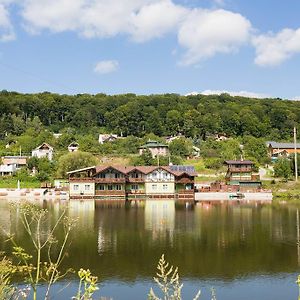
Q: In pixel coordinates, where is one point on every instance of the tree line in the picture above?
(196, 117)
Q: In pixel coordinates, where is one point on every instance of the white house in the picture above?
(44, 150)
(104, 138)
(73, 147)
(6, 170)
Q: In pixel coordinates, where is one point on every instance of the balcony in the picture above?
(109, 193)
(110, 180)
(83, 179)
(184, 181)
(136, 180)
(240, 169)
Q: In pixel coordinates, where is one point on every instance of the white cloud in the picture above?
(232, 93)
(6, 29)
(140, 19)
(207, 32)
(156, 19)
(106, 66)
(273, 49)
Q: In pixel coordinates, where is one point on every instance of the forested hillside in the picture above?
(129, 114)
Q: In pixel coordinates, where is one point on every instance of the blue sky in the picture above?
(250, 47)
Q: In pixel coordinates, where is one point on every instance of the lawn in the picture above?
(13, 183)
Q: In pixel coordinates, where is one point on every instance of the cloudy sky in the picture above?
(248, 47)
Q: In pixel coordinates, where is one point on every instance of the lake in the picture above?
(244, 252)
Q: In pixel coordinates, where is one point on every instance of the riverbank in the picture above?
(32, 194)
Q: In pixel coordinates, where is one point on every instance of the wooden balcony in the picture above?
(240, 169)
(110, 180)
(184, 181)
(186, 192)
(136, 180)
(110, 193)
(83, 179)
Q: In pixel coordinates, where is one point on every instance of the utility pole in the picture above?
(295, 149)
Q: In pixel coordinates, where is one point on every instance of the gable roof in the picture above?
(153, 144)
(239, 162)
(276, 145)
(44, 146)
(73, 144)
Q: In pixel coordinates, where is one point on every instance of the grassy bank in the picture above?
(288, 191)
(13, 183)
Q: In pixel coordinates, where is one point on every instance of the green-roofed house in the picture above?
(155, 148)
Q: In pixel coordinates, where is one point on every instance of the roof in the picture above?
(143, 169)
(44, 145)
(74, 144)
(239, 162)
(153, 144)
(283, 145)
(80, 170)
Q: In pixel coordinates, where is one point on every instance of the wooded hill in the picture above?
(129, 114)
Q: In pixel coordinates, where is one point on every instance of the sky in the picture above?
(243, 47)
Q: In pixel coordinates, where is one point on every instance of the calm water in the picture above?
(244, 252)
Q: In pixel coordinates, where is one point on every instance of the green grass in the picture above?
(13, 183)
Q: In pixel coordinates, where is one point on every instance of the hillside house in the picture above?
(17, 161)
(155, 148)
(44, 150)
(277, 150)
(106, 138)
(7, 170)
(73, 147)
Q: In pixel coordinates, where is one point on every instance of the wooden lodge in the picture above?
(240, 176)
(126, 183)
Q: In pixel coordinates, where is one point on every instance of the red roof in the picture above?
(239, 162)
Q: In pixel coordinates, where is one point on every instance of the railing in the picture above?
(184, 180)
(78, 179)
(186, 191)
(109, 193)
(138, 180)
(110, 180)
(242, 169)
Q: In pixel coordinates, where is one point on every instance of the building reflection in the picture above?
(160, 218)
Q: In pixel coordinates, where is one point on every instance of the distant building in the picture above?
(44, 150)
(17, 161)
(170, 139)
(240, 174)
(105, 138)
(120, 182)
(57, 135)
(277, 150)
(7, 170)
(73, 147)
(155, 148)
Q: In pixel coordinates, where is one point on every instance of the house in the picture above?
(126, 183)
(105, 138)
(44, 150)
(276, 149)
(155, 148)
(170, 139)
(240, 175)
(18, 161)
(7, 170)
(73, 147)
(57, 135)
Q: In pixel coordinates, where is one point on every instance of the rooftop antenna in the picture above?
(295, 149)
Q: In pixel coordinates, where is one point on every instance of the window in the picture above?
(165, 187)
(154, 175)
(76, 187)
(101, 187)
(110, 187)
(87, 187)
(102, 175)
(118, 187)
(134, 175)
(117, 175)
(154, 187)
(134, 187)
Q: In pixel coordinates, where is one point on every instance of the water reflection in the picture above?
(208, 242)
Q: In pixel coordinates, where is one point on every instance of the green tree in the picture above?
(282, 168)
(73, 161)
(181, 147)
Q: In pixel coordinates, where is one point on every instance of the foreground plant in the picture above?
(168, 282)
(87, 285)
(33, 269)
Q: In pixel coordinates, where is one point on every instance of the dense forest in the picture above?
(193, 116)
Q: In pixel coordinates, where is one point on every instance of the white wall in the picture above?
(160, 187)
(82, 188)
